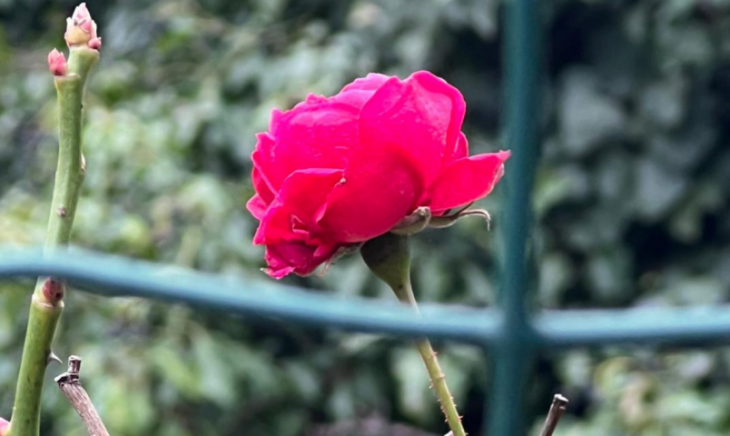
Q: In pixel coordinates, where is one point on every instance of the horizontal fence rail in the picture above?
(115, 276)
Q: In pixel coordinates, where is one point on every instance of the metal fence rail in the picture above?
(509, 334)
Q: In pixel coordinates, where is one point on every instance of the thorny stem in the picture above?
(438, 379)
(389, 259)
(47, 303)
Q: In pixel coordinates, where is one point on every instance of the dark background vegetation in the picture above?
(631, 207)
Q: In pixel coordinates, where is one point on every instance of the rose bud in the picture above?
(95, 43)
(81, 28)
(57, 63)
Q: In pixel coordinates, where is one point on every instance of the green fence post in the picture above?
(514, 350)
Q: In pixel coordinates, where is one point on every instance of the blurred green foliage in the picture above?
(631, 207)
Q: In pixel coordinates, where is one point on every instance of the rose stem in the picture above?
(438, 379)
(47, 302)
(388, 257)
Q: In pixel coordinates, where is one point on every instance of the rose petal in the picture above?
(296, 257)
(276, 116)
(359, 92)
(292, 215)
(423, 114)
(257, 206)
(378, 191)
(355, 98)
(260, 184)
(460, 150)
(371, 82)
(466, 180)
(438, 85)
(316, 134)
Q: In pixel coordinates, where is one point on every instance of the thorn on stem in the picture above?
(52, 357)
(62, 212)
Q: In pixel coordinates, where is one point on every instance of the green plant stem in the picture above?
(45, 309)
(41, 328)
(69, 173)
(438, 379)
(388, 257)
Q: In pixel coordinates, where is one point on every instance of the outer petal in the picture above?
(359, 92)
(257, 206)
(259, 203)
(423, 114)
(261, 184)
(371, 82)
(296, 257)
(315, 134)
(466, 180)
(380, 188)
(292, 215)
(459, 151)
(458, 105)
(355, 98)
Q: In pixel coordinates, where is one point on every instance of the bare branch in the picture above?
(71, 387)
(553, 417)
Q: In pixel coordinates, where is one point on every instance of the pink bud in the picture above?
(81, 13)
(53, 290)
(57, 63)
(95, 43)
(86, 26)
(80, 28)
(4, 427)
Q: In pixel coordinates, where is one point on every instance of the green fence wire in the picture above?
(510, 334)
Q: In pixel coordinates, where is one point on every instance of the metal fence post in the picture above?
(515, 348)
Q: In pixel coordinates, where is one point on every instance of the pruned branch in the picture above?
(553, 417)
(70, 385)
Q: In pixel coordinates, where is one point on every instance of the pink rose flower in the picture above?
(334, 172)
(4, 427)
